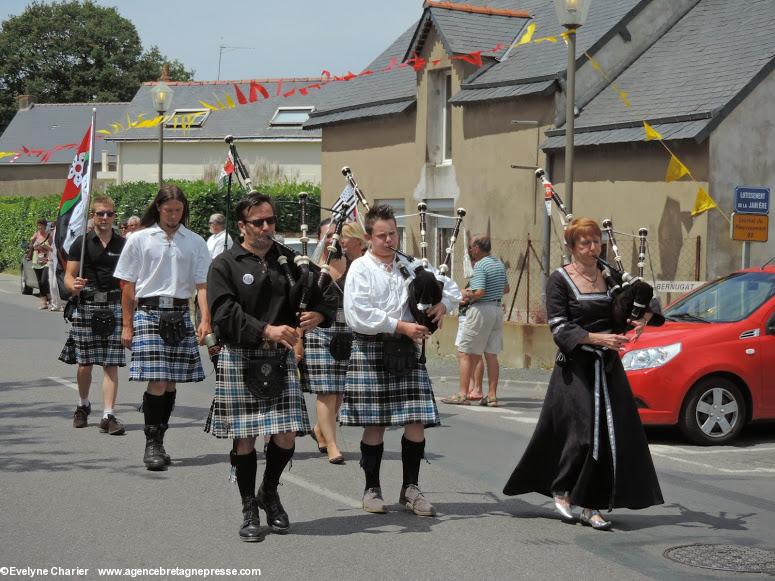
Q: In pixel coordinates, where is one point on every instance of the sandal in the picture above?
(488, 401)
(321, 449)
(457, 399)
(473, 397)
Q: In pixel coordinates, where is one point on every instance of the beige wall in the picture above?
(38, 180)
(188, 161)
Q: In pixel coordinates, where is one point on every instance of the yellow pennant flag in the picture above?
(208, 106)
(528, 36)
(103, 131)
(624, 96)
(651, 133)
(6, 154)
(675, 170)
(703, 203)
(546, 39)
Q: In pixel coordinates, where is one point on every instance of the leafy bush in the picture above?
(19, 214)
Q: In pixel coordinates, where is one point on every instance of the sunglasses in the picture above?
(104, 213)
(259, 222)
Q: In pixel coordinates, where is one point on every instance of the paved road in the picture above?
(77, 498)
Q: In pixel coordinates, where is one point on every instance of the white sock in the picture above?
(108, 411)
(83, 402)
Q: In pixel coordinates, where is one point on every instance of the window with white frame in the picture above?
(187, 118)
(291, 116)
(399, 209)
(439, 116)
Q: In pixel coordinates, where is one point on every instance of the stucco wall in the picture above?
(38, 180)
(741, 154)
(189, 161)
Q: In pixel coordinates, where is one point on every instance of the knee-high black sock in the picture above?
(371, 459)
(411, 456)
(245, 465)
(169, 405)
(153, 409)
(277, 459)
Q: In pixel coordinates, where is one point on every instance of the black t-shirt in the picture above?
(99, 262)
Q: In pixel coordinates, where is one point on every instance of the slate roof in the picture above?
(248, 121)
(503, 92)
(44, 126)
(688, 80)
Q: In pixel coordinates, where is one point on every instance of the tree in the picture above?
(75, 52)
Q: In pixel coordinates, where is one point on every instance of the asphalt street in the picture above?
(80, 499)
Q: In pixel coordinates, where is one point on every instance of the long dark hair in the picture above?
(166, 193)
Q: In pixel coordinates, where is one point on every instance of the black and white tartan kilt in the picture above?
(235, 413)
(154, 360)
(84, 347)
(323, 373)
(373, 397)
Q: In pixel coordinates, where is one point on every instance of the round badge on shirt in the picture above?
(247, 278)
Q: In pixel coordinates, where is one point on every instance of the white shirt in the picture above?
(376, 296)
(163, 267)
(215, 243)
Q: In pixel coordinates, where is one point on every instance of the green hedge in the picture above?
(19, 214)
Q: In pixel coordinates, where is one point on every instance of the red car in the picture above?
(711, 368)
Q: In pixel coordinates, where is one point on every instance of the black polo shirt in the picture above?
(99, 262)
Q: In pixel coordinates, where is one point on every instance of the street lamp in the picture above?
(162, 97)
(572, 14)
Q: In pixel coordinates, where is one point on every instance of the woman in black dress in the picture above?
(589, 448)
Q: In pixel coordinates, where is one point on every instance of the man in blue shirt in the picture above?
(483, 331)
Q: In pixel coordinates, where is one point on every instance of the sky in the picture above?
(287, 38)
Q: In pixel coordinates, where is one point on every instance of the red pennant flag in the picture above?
(256, 88)
(240, 95)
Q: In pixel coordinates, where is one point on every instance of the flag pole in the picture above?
(87, 189)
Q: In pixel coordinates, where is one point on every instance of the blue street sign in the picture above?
(752, 200)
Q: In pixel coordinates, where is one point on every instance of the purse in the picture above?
(103, 322)
(172, 328)
(265, 375)
(341, 346)
(399, 356)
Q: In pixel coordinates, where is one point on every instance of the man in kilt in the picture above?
(95, 337)
(161, 265)
(254, 291)
(386, 384)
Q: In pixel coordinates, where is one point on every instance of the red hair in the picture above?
(581, 227)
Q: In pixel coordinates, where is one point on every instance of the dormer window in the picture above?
(187, 118)
(291, 116)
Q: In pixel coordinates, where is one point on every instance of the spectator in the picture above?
(215, 243)
(132, 225)
(477, 377)
(56, 302)
(483, 329)
(40, 243)
(123, 228)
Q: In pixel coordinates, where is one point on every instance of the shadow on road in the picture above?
(753, 434)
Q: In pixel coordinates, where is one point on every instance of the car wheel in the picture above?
(714, 413)
(26, 290)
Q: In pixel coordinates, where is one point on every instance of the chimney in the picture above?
(25, 102)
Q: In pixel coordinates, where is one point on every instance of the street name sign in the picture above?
(752, 200)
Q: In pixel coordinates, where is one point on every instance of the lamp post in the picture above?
(162, 97)
(572, 14)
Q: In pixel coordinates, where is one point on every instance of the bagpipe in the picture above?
(632, 295)
(425, 289)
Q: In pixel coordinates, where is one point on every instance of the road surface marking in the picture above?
(64, 382)
(716, 468)
(485, 409)
(7, 292)
(298, 481)
(662, 448)
(522, 420)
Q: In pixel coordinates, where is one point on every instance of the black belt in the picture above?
(487, 301)
(159, 302)
(111, 296)
(378, 336)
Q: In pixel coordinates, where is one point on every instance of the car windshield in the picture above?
(728, 299)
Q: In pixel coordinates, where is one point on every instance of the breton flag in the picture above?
(226, 170)
(347, 197)
(74, 205)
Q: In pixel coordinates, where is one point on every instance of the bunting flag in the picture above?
(675, 170)
(528, 36)
(651, 133)
(74, 205)
(703, 203)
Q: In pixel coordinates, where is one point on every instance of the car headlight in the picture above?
(650, 357)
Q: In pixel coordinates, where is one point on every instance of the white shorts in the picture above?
(461, 321)
(483, 330)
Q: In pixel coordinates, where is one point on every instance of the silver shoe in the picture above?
(566, 512)
(587, 516)
(373, 501)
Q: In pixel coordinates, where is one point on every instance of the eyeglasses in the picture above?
(259, 222)
(103, 213)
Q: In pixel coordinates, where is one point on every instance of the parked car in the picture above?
(29, 281)
(711, 368)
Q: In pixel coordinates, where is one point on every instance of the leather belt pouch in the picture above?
(70, 307)
(399, 355)
(341, 346)
(172, 327)
(265, 376)
(103, 322)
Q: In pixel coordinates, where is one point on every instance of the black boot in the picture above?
(267, 497)
(251, 521)
(152, 458)
(169, 405)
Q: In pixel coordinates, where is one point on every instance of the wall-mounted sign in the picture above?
(750, 227)
(752, 200)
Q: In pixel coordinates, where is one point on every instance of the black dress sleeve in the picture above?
(567, 334)
(231, 323)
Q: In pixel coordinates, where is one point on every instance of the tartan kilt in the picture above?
(84, 347)
(323, 374)
(154, 360)
(235, 413)
(373, 397)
